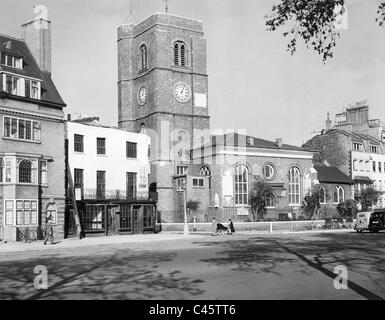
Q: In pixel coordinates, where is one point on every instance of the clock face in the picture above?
(182, 92)
(142, 96)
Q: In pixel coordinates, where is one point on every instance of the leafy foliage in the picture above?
(369, 197)
(311, 203)
(259, 194)
(192, 205)
(312, 20)
(347, 209)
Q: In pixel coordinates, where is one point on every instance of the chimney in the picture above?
(37, 35)
(328, 123)
(68, 117)
(278, 142)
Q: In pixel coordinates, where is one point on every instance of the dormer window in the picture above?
(11, 61)
(19, 86)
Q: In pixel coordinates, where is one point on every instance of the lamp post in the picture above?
(186, 231)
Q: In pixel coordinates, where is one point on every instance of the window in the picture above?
(374, 166)
(270, 202)
(142, 128)
(181, 170)
(1, 169)
(9, 170)
(143, 54)
(198, 182)
(78, 178)
(379, 167)
(205, 171)
(357, 146)
(322, 195)
(241, 185)
(21, 129)
(78, 143)
(52, 211)
(294, 186)
(373, 148)
(13, 85)
(9, 212)
(131, 185)
(131, 150)
(100, 145)
(32, 89)
(11, 61)
(355, 165)
(268, 171)
(100, 184)
(339, 194)
(43, 168)
(26, 212)
(180, 57)
(25, 171)
(180, 184)
(93, 218)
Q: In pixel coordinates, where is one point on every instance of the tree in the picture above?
(369, 197)
(259, 194)
(192, 205)
(311, 203)
(347, 209)
(314, 21)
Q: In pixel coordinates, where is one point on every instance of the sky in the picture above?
(254, 84)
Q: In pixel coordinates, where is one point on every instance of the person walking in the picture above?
(214, 227)
(230, 229)
(49, 230)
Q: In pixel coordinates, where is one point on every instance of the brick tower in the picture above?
(163, 88)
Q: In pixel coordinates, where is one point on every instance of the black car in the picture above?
(377, 221)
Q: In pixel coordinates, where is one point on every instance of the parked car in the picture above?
(377, 221)
(374, 221)
(363, 219)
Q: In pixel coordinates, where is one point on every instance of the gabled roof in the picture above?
(18, 47)
(239, 140)
(331, 175)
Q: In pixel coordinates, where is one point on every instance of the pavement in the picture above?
(175, 267)
(9, 247)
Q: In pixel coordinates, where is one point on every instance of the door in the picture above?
(137, 217)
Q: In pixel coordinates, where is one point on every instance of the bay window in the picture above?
(21, 212)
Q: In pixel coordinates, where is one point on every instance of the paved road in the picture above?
(295, 266)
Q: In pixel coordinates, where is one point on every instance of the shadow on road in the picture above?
(361, 253)
(119, 275)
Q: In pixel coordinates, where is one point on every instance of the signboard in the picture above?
(78, 194)
(200, 100)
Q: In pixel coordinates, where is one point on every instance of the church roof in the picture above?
(239, 140)
(17, 47)
(331, 175)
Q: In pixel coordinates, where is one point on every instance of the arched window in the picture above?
(205, 171)
(142, 128)
(25, 171)
(241, 185)
(268, 171)
(294, 186)
(270, 202)
(143, 53)
(52, 211)
(322, 195)
(339, 194)
(180, 58)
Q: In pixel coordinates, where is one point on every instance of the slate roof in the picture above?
(331, 175)
(238, 140)
(49, 93)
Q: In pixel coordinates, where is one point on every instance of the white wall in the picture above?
(114, 162)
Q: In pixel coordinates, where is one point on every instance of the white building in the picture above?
(371, 166)
(107, 162)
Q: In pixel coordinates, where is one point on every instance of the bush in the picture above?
(347, 209)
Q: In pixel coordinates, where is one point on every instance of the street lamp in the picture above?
(186, 231)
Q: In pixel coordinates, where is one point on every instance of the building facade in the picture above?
(109, 170)
(355, 146)
(163, 91)
(223, 172)
(32, 160)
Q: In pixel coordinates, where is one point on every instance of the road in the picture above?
(294, 266)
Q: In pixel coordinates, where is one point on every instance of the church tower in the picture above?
(163, 91)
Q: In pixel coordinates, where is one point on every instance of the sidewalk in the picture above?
(93, 241)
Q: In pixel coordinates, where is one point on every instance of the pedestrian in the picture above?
(214, 227)
(49, 230)
(230, 229)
